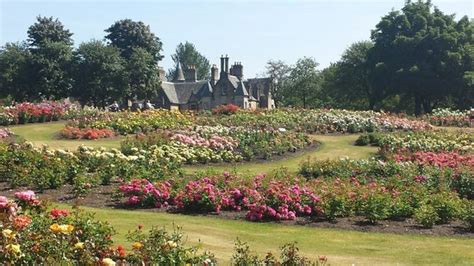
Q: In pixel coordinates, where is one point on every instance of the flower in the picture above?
(14, 248)
(56, 213)
(121, 251)
(108, 262)
(64, 228)
(7, 233)
(137, 245)
(171, 244)
(25, 195)
(79, 245)
(21, 222)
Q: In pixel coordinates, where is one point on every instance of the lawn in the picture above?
(331, 147)
(46, 133)
(341, 247)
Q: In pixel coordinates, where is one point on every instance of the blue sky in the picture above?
(251, 32)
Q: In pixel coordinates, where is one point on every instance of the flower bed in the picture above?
(316, 120)
(26, 112)
(85, 133)
(134, 122)
(25, 165)
(203, 144)
(448, 117)
(32, 235)
(397, 196)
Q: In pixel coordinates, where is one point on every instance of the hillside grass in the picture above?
(342, 247)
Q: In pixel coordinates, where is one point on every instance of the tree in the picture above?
(51, 70)
(48, 29)
(128, 35)
(347, 82)
(144, 80)
(187, 54)
(303, 87)
(15, 63)
(421, 52)
(51, 49)
(100, 76)
(278, 71)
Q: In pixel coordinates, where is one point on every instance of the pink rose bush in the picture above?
(274, 201)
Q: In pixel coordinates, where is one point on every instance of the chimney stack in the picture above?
(214, 75)
(238, 70)
(222, 64)
(191, 75)
(226, 58)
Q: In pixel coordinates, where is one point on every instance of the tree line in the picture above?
(417, 58)
(123, 66)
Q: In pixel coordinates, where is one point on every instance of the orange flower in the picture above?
(21, 222)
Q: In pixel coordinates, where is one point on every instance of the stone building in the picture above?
(228, 86)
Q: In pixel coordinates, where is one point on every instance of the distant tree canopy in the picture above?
(418, 58)
(187, 54)
(128, 35)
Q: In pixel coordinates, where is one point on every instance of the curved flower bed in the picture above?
(85, 133)
(203, 144)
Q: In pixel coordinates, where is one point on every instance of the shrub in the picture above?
(376, 207)
(426, 216)
(468, 215)
(446, 205)
(363, 140)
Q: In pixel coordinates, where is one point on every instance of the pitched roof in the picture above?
(180, 93)
(241, 90)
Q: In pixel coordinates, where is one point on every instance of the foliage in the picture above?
(303, 85)
(100, 76)
(128, 35)
(225, 109)
(187, 55)
(48, 30)
(448, 117)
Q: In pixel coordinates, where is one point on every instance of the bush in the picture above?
(426, 216)
(468, 215)
(363, 140)
(447, 206)
(376, 207)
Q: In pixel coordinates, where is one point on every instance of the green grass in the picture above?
(46, 133)
(332, 147)
(342, 247)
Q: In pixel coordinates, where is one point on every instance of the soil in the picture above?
(102, 197)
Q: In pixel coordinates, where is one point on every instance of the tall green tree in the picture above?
(304, 84)
(128, 35)
(51, 70)
(187, 54)
(52, 58)
(279, 72)
(421, 52)
(143, 77)
(15, 64)
(48, 29)
(100, 74)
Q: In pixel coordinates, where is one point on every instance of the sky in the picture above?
(251, 32)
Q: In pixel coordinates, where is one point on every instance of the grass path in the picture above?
(332, 147)
(46, 133)
(341, 247)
